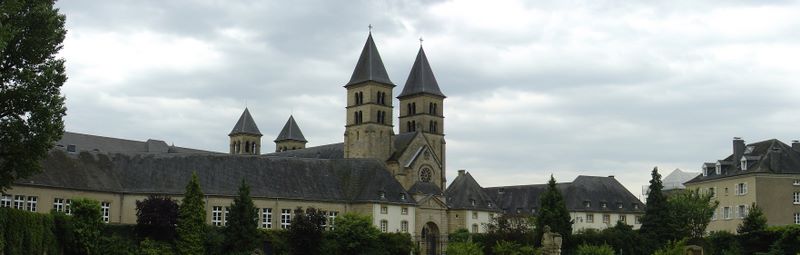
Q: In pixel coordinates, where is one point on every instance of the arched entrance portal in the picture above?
(430, 239)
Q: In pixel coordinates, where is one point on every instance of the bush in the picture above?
(721, 242)
(116, 245)
(156, 218)
(459, 236)
(24, 232)
(396, 243)
(465, 248)
(153, 247)
(277, 241)
(88, 223)
(587, 249)
(672, 248)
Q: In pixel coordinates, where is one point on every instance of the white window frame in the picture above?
(714, 215)
(32, 202)
(797, 218)
(266, 218)
(286, 218)
(384, 209)
(741, 211)
(606, 218)
(474, 215)
(225, 215)
(744, 164)
(5, 200)
(404, 210)
(332, 219)
(705, 170)
(726, 213)
(216, 216)
(590, 218)
(622, 218)
(19, 202)
(58, 204)
(105, 209)
(741, 188)
(68, 206)
(384, 226)
(404, 226)
(718, 168)
(637, 219)
(474, 228)
(796, 182)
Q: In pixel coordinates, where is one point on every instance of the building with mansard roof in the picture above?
(397, 178)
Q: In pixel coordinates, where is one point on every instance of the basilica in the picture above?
(397, 178)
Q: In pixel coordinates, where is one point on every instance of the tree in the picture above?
(656, 219)
(241, 232)
(355, 234)
(31, 105)
(553, 213)
(465, 248)
(754, 221)
(695, 210)
(156, 218)
(305, 233)
(87, 224)
(191, 220)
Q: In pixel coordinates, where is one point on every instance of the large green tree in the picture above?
(754, 221)
(553, 212)
(693, 212)
(354, 234)
(191, 220)
(305, 233)
(88, 224)
(156, 217)
(656, 225)
(31, 105)
(241, 232)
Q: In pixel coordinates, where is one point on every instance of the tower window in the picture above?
(432, 108)
(247, 146)
(413, 108)
(408, 126)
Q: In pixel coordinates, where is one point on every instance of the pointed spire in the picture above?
(291, 131)
(370, 66)
(245, 125)
(421, 80)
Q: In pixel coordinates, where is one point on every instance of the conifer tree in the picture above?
(553, 212)
(241, 233)
(191, 220)
(656, 219)
(754, 221)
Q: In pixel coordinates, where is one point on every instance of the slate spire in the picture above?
(245, 125)
(421, 79)
(370, 66)
(291, 131)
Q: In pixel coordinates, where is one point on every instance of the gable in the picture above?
(431, 202)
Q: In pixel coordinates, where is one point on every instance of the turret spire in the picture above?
(291, 131)
(370, 66)
(421, 79)
(245, 125)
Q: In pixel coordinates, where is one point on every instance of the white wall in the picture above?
(581, 222)
(394, 217)
(482, 221)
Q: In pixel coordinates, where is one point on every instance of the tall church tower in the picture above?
(368, 132)
(422, 105)
(290, 138)
(245, 137)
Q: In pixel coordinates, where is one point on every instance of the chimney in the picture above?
(796, 145)
(461, 172)
(738, 150)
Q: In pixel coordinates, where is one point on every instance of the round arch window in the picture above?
(425, 174)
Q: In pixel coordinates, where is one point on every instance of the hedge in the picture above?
(23, 232)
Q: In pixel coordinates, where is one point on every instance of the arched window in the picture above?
(408, 126)
(355, 98)
(431, 109)
(432, 127)
(247, 146)
(254, 147)
(355, 117)
(383, 98)
(409, 109)
(238, 146)
(413, 108)
(413, 125)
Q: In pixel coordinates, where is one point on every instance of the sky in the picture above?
(533, 88)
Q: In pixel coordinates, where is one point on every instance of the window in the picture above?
(404, 210)
(5, 201)
(286, 218)
(796, 198)
(606, 218)
(705, 171)
(31, 204)
(68, 207)
(105, 207)
(623, 219)
(474, 228)
(216, 215)
(718, 168)
(796, 218)
(384, 209)
(491, 216)
(425, 175)
(225, 216)
(58, 204)
(712, 192)
(382, 195)
(638, 219)
(741, 212)
(402, 196)
(726, 213)
(472, 202)
(404, 226)
(589, 218)
(266, 218)
(332, 219)
(741, 188)
(714, 215)
(796, 182)
(603, 204)
(635, 206)
(384, 226)
(587, 204)
(619, 205)
(19, 202)
(474, 215)
(744, 164)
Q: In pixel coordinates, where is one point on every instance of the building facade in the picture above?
(765, 173)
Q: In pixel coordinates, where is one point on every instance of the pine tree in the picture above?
(191, 220)
(754, 222)
(553, 212)
(241, 233)
(656, 219)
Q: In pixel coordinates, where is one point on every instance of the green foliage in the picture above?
(587, 249)
(553, 213)
(511, 248)
(753, 222)
(116, 245)
(672, 248)
(622, 238)
(24, 232)
(305, 233)
(88, 223)
(278, 240)
(152, 247)
(156, 217)
(214, 241)
(395, 243)
(191, 220)
(31, 105)
(508, 227)
(354, 234)
(722, 242)
(464, 248)
(695, 210)
(656, 224)
(241, 232)
(461, 235)
(789, 241)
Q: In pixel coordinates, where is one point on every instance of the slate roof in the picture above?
(593, 189)
(370, 66)
(769, 156)
(343, 180)
(245, 125)
(291, 131)
(425, 188)
(464, 190)
(420, 79)
(84, 142)
(401, 142)
(328, 151)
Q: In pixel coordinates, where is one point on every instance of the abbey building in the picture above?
(397, 178)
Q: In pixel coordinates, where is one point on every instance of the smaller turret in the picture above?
(290, 138)
(245, 137)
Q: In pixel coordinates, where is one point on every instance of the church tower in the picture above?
(245, 137)
(368, 132)
(290, 138)
(422, 105)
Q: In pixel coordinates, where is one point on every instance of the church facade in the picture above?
(396, 178)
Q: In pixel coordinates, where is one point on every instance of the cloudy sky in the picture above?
(534, 87)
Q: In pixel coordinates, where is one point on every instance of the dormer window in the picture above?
(796, 182)
(489, 204)
(382, 195)
(604, 204)
(718, 168)
(587, 204)
(472, 202)
(402, 196)
(636, 206)
(619, 205)
(705, 170)
(501, 191)
(744, 164)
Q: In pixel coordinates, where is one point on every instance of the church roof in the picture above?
(291, 131)
(343, 180)
(421, 79)
(425, 188)
(401, 142)
(76, 142)
(245, 125)
(464, 190)
(370, 66)
(328, 151)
